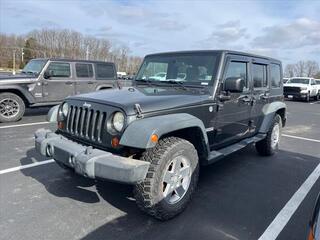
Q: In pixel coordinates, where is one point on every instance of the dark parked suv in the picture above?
(48, 81)
(155, 134)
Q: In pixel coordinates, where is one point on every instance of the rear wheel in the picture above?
(12, 107)
(171, 179)
(270, 144)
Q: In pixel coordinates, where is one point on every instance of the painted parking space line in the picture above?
(317, 102)
(25, 124)
(301, 138)
(283, 217)
(14, 169)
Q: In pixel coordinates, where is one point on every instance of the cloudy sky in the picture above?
(288, 30)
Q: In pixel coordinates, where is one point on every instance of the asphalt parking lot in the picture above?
(237, 198)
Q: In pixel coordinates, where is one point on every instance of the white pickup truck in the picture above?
(302, 88)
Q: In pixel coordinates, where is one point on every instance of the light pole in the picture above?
(87, 53)
(14, 62)
(22, 55)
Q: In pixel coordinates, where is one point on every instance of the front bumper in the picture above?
(89, 162)
(295, 95)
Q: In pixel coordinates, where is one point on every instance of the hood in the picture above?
(150, 98)
(295, 85)
(18, 78)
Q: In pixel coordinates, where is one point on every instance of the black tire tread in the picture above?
(142, 190)
(264, 146)
(22, 106)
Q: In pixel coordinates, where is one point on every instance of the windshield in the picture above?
(299, 80)
(191, 68)
(34, 66)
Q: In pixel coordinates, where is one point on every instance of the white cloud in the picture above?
(299, 33)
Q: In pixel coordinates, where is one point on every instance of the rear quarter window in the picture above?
(275, 75)
(105, 71)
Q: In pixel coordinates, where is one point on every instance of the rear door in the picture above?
(232, 122)
(60, 84)
(260, 92)
(84, 78)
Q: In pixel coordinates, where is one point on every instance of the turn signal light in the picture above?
(60, 125)
(115, 142)
(311, 237)
(154, 138)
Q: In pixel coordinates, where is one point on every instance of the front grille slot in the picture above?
(289, 90)
(86, 123)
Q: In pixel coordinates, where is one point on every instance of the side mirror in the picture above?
(234, 84)
(48, 74)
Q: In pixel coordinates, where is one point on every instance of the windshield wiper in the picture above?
(149, 82)
(30, 72)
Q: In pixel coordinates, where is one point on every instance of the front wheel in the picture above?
(12, 107)
(171, 179)
(269, 145)
(308, 97)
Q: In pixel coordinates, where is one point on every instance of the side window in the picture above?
(259, 75)
(59, 69)
(313, 82)
(275, 75)
(84, 70)
(237, 70)
(105, 71)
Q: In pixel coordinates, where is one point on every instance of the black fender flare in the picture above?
(138, 133)
(269, 111)
(22, 90)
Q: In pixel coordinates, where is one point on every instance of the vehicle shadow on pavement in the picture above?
(61, 183)
(37, 111)
(237, 198)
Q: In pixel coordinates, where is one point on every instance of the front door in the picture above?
(85, 80)
(60, 83)
(233, 120)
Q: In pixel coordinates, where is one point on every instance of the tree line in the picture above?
(302, 69)
(50, 43)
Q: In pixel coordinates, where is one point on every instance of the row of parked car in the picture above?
(302, 88)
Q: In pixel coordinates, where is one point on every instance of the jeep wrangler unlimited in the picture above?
(157, 133)
(45, 82)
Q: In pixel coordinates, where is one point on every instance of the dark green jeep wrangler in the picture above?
(185, 109)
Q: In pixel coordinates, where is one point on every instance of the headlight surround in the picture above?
(303, 88)
(65, 109)
(118, 120)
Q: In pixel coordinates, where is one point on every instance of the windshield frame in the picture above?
(42, 63)
(216, 56)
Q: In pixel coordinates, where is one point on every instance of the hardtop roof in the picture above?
(217, 52)
(72, 60)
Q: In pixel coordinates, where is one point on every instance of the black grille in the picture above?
(291, 90)
(86, 123)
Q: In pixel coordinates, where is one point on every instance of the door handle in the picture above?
(90, 82)
(69, 83)
(264, 96)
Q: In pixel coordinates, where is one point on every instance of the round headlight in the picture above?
(65, 109)
(118, 121)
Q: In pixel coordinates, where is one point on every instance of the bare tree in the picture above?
(64, 43)
(289, 70)
(300, 69)
(312, 68)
